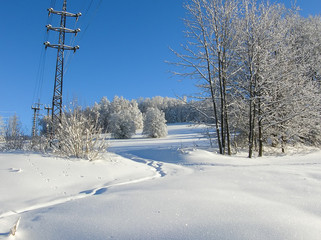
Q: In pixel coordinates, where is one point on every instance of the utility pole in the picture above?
(47, 121)
(36, 110)
(48, 111)
(61, 47)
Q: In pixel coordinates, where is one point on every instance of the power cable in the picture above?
(68, 58)
(91, 19)
(42, 61)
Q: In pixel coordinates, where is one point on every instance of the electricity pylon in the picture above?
(61, 47)
(35, 109)
(48, 111)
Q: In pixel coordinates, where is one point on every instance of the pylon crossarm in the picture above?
(68, 14)
(58, 46)
(59, 29)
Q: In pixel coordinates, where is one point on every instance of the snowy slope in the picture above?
(161, 189)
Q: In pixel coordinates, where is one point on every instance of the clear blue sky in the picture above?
(123, 48)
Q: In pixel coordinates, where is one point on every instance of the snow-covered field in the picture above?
(161, 189)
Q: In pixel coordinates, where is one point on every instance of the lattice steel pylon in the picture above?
(61, 47)
(36, 110)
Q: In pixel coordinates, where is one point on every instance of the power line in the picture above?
(42, 62)
(91, 19)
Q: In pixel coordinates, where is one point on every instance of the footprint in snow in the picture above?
(15, 170)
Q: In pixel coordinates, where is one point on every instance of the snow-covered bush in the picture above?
(155, 123)
(122, 125)
(38, 144)
(78, 136)
(119, 105)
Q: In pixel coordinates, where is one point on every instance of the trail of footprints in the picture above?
(46, 179)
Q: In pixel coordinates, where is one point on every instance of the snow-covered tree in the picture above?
(104, 113)
(274, 82)
(122, 106)
(209, 58)
(2, 130)
(13, 134)
(155, 123)
(122, 126)
(136, 114)
(258, 65)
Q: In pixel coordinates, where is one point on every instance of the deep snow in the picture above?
(161, 189)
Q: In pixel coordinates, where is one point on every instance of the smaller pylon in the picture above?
(48, 111)
(36, 110)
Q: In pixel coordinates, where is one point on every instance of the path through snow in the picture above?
(162, 189)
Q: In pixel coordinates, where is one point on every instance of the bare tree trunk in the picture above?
(251, 123)
(260, 128)
(221, 100)
(216, 124)
(227, 128)
(211, 83)
(228, 135)
(283, 143)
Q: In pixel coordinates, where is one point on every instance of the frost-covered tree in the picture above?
(258, 65)
(155, 123)
(122, 126)
(209, 58)
(260, 39)
(294, 100)
(104, 113)
(122, 106)
(2, 130)
(136, 114)
(44, 125)
(274, 83)
(13, 134)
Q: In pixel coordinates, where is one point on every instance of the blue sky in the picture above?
(123, 49)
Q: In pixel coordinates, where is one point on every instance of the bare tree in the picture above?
(209, 57)
(13, 134)
(260, 43)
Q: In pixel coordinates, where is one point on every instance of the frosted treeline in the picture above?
(122, 113)
(122, 118)
(258, 66)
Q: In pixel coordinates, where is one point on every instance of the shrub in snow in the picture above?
(122, 125)
(79, 136)
(155, 123)
(119, 105)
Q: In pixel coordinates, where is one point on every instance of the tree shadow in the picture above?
(7, 234)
